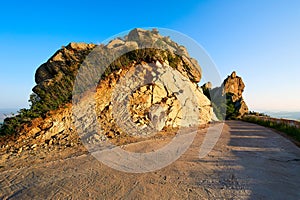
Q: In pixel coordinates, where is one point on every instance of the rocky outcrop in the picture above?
(234, 88)
(151, 106)
(64, 62)
(55, 78)
(234, 85)
(228, 99)
(163, 49)
(170, 99)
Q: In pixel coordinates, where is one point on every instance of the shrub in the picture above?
(223, 106)
(290, 130)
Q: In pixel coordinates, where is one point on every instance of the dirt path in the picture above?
(248, 162)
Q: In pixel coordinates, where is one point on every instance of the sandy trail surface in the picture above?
(248, 162)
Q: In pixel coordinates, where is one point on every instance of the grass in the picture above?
(289, 130)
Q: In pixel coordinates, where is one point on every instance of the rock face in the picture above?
(64, 62)
(233, 104)
(234, 87)
(166, 50)
(54, 132)
(55, 78)
(170, 99)
(163, 102)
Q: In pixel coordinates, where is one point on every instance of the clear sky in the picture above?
(258, 39)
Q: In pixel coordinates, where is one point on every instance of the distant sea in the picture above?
(285, 115)
(7, 112)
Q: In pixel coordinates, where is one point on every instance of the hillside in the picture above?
(155, 104)
(141, 86)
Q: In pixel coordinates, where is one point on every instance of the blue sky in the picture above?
(258, 39)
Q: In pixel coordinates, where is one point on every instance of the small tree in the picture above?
(33, 99)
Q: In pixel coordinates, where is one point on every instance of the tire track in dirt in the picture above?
(248, 162)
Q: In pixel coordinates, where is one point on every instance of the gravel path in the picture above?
(248, 162)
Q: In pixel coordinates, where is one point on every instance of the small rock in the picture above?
(110, 135)
(20, 150)
(115, 43)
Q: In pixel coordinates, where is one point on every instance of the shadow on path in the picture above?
(270, 164)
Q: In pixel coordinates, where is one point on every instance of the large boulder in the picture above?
(153, 104)
(65, 61)
(234, 85)
(55, 78)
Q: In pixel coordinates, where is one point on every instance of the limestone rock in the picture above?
(65, 61)
(232, 90)
(189, 67)
(131, 44)
(159, 93)
(115, 43)
(151, 105)
(157, 116)
(55, 78)
(166, 92)
(234, 85)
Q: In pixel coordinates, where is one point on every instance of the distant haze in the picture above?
(6, 112)
(285, 115)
